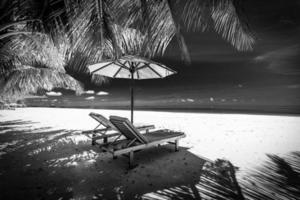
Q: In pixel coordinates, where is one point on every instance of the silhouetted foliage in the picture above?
(279, 178)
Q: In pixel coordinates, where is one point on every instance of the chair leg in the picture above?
(176, 145)
(131, 164)
(93, 140)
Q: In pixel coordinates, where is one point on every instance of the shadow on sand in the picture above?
(61, 164)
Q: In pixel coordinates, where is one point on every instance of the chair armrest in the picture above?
(96, 131)
(145, 128)
(106, 136)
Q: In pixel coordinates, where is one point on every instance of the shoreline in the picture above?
(214, 110)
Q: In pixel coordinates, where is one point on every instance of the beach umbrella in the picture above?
(131, 67)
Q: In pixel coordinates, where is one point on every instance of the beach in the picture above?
(47, 141)
(214, 87)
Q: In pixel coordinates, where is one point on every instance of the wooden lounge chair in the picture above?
(106, 126)
(135, 141)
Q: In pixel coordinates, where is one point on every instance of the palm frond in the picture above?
(131, 40)
(76, 66)
(35, 48)
(196, 15)
(153, 19)
(229, 25)
(30, 80)
(223, 16)
(278, 178)
(90, 32)
(180, 39)
(15, 23)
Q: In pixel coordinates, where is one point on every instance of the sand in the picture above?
(43, 154)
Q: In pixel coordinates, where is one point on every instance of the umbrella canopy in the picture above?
(131, 67)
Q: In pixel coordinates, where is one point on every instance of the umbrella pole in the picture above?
(132, 96)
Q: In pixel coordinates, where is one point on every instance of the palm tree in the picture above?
(97, 29)
(165, 19)
(33, 64)
(159, 22)
(34, 56)
(71, 37)
(27, 52)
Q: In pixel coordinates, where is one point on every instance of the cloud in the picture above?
(90, 98)
(102, 93)
(190, 100)
(282, 61)
(295, 86)
(89, 92)
(56, 94)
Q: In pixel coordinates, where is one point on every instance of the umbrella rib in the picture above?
(153, 70)
(101, 67)
(114, 76)
(137, 74)
(165, 67)
(141, 67)
(121, 65)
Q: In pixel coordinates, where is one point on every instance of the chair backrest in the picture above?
(127, 129)
(102, 120)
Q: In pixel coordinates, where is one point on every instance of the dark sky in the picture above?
(267, 76)
(276, 25)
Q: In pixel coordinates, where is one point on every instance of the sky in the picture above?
(268, 76)
(274, 60)
(276, 25)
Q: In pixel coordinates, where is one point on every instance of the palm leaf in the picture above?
(91, 32)
(153, 19)
(76, 66)
(224, 16)
(165, 19)
(35, 48)
(278, 178)
(131, 40)
(31, 80)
